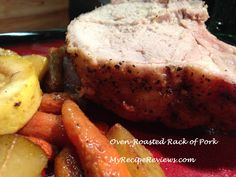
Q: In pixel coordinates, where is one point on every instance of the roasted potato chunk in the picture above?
(132, 151)
(20, 157)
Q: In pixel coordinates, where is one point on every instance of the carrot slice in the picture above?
(44, 146)
(46, 126)
(52, 102)
(92, 146)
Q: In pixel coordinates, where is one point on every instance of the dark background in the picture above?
(223, 16)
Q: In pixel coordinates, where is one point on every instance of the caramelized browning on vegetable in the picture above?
(46, 126)
(92, 146)
(60, 122)
(54, 79)
(133, 151)
(66, 164)
(52, 102)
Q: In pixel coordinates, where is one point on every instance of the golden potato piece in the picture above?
(40, 64)
(6, 52)
(134, 151)
(20, 157)
(20, 93)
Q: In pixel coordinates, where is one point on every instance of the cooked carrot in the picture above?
(93, 148)
(46, 126)
(43, 144)
(52, 102)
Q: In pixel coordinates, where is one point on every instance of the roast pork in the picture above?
(156, 61)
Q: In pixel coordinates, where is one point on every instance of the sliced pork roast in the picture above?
(156, 61)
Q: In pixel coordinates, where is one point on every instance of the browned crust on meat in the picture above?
(181, 97)
(197, 90)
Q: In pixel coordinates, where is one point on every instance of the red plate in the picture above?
(212, 160)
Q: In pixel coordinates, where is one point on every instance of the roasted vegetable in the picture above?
(54, 79)
(19, 157)
(93, 148)
(6, 52)
(133, 151)
(52, 102)
(20, 93)
(44, 145)
(46, 126)
(40, 64)
(66, 164)
(49, 127)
